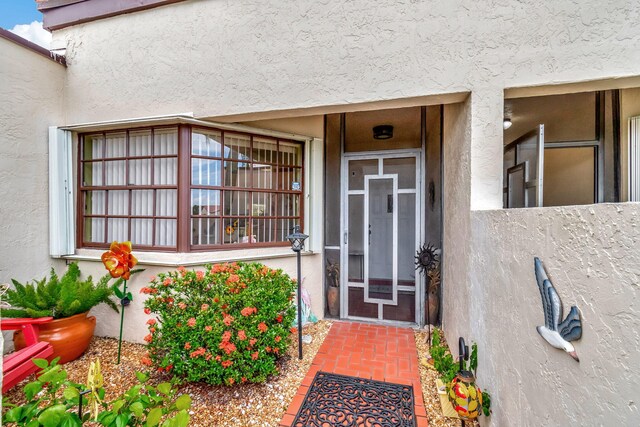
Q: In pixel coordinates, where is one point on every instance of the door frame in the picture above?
(418, 153)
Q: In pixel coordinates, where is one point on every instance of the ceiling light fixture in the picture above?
(383, 132)
(507, 123)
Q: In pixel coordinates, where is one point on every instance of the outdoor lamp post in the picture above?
(297, 244)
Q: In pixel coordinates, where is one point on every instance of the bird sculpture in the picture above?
(558, 334)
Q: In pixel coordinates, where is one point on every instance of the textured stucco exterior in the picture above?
(31, 100)
(257, 56)
(592, 256)
(273, 59)
(31, 90)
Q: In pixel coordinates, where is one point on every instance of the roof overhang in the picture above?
(184, 118)
(64, 13)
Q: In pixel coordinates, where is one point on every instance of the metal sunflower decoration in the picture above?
(426, 261)
(426, 258)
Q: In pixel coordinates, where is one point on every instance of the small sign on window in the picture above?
(295, 186)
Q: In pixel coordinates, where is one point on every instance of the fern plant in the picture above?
(59, 297)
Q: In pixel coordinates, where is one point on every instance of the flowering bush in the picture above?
(225, 325)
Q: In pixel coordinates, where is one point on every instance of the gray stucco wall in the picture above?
(592, 255)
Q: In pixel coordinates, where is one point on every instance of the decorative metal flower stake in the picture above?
(119, 261)
(426, 260)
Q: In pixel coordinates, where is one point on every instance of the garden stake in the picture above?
(119, 261)
(82, 393)
(299, 312)
(121, 322)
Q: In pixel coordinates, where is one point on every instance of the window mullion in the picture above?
(184, 182)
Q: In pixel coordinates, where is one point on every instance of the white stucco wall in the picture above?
(592, 256)
(219, 58)
(31, 99)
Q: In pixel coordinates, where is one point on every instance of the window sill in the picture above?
(192, 259)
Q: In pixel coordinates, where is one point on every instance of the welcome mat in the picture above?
(339, 400)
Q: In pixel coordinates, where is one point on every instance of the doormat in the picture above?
(338, 400)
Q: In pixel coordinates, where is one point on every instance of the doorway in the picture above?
(382, 201)
(382, 231)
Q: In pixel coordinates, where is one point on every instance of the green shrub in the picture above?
(52, 400)
(225, 325)
(443, 361)
(58, 297)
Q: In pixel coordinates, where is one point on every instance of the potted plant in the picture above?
(333, 290)
(68, 300)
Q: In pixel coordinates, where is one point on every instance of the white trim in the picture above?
(184, 118)
(155, 258)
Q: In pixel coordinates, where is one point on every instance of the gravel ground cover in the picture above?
(239, 406)
(428, 378)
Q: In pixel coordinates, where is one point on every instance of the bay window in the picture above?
(188, 188)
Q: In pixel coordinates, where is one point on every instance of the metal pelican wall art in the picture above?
(558, 334)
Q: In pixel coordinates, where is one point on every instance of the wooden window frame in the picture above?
(184, 186)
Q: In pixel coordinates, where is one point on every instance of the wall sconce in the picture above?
(507, 123)
(383, 132)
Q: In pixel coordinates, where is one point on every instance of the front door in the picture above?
(381, 233)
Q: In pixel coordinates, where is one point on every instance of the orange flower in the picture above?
(227, 363)
(227, 346)
(199, 275)
(152, 330)
(151, 322)
(262, 327)
(279, 318)
(167, 281)
(147, 311)
(233, 278)
(119, 260)
(252, 341)
(248, 311)
(191, 322)
(148, 338)
(208, 328)
(278, 338)
(276, 350)
(293, 330)
(242, 335)
(228, 319)
(182, 305)
(231, 381)
(145, 361)
(182, 270)
(268, 349)
(187, 346)
(204, 307)
(254, 356)
(226, 336)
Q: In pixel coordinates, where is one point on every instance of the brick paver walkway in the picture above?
(380, 353)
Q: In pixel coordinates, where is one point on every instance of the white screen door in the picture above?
(381, 235)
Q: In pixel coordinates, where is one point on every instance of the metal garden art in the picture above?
(119, 261)
(428, 263)
(558, 334)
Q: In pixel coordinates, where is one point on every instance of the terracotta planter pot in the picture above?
(333, 300)
(69, 337)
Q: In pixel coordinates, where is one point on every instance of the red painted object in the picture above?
(19, 365)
